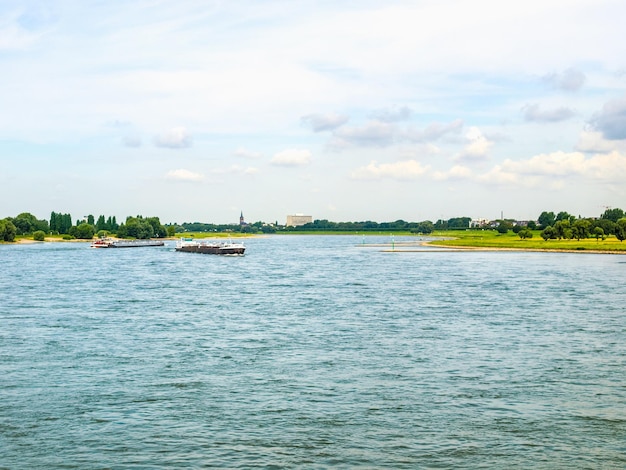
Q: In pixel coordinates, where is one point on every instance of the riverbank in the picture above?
(482, 240)
(27, 239)
(492, 241)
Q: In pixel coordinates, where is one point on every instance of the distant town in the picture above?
(560, 225)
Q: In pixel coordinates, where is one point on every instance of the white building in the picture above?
(298, 219)
(477, 223)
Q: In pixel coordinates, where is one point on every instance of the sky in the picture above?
(198, 110)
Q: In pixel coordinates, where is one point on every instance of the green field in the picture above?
(493, 239)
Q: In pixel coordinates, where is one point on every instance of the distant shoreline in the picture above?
(398, 246)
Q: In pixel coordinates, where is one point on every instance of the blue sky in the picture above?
(346, 110)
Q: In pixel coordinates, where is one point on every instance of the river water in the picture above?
(310, 352)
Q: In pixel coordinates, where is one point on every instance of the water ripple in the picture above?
(310, 352)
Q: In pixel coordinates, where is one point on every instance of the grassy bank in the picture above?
(492, 239)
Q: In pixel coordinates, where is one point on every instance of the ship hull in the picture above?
(126, 243)
(212, 249)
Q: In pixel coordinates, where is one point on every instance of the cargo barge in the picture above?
(110, 243)
(190, 245)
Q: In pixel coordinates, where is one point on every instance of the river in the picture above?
(310, 352)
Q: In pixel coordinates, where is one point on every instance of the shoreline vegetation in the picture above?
(494, 241)
(550, 232)
(453, 240)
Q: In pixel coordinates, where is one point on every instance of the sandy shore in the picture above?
(535, 250)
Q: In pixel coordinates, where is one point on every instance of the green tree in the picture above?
(620, 229)
(137, 227)
(525, 233)
(66, 223)
(613, 214)
(504, 226)
(101, 224)
(60, 223)
(580, 229)
(565, 216)
(28, 223)
(598, 232)
(459, 222)
(122, 232)
(7, 230)
(424, 227)
(82, 231)
(546, 219)
(158, 230)
(53, 222)
(608, 226)
(563, 229)
(39, 235)
(548, 233)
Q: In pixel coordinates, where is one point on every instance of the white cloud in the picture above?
(185, 175)
(175, 138)
(533, 113)
(324, 122)
(610, 167)
(611, 121)
(552, 164)
(401, 171)
(224, 69)
(394, 114)
(386, 133)
(292, 157)
(411, 151)
(245, 153)
(594, 142)
(569, 80)
(548, 168)
(372, 134)
(499, 176)
(477, 146)
(434, 131)
(457, 172)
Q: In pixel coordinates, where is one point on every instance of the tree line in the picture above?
(566, 226)
(561, 225)
(61, 224)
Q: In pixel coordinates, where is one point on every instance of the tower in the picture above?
(241, 221)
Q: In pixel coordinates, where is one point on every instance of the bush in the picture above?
(39, 235)
(525, 233)
(7, 230)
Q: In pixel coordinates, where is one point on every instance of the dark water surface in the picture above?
(310, 352)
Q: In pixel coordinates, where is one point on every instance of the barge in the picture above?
(190, 245)
(110, 243)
